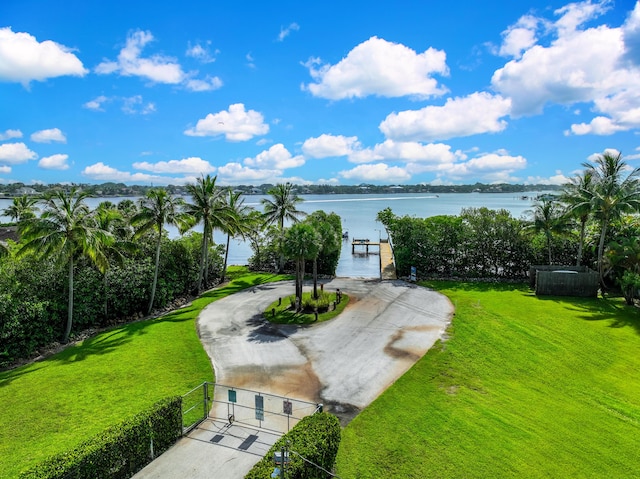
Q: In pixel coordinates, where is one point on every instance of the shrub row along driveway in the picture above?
(344, 363)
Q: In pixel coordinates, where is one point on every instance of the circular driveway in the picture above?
(344, 363)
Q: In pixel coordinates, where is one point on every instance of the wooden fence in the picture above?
(560, 280)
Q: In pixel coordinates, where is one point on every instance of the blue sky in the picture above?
(330, 92)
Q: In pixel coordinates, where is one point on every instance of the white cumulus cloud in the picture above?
(471, 115)
(157, 68)
(193, 165)
(327, 146)
(24, 59)
(48, 136)
(490, 167)
(96, 103)
(207, 84)
(277, 157)
(16, 153)
(235, 173)
(101, 172)
(376, 172)
(54, 162)
(236, 124)
(382, 68)
(10, 134)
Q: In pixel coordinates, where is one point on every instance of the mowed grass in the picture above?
(50, 406)
(524, 387)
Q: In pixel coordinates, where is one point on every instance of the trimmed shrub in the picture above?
(316, 438)
(119, 451)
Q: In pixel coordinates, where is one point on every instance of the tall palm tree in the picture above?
(237, 224)
(22, 208)
(207, 207)
(301, 242)
(156, 209)
(578, 198)
(616, 191)
(65, 231)
(281, 207)
(548, 218)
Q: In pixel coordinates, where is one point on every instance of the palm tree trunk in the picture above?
(155, 274)
(298, 296)
(105, 286)
(226, 256)
(203, 259)
(315, 278)
(549, 247)
(583, 225)
(603, 234)
(67, 331)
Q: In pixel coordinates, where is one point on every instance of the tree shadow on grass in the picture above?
(108, 341)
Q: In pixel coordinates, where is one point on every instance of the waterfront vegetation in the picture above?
(52, 405)
(524, 386)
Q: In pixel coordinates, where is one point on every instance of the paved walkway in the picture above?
(344, 363)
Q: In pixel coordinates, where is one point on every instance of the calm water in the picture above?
(358, 213)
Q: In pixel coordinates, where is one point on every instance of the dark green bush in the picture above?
(120, 451)
(316, 438)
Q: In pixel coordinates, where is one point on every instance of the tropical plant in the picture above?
(109, 218)
(22, 208)
(547, 217)
(66, 231)
(156, 209)
(578, 195)
(330, 240)
(301, 242)
(281, 207)
(236, 224)
(616, 191)
(209, 208)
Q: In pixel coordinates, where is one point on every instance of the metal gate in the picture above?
(244, 406)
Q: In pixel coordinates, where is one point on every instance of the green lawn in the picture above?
(52, 405)
(524, 387)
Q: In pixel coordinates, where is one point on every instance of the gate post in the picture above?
(205, 402)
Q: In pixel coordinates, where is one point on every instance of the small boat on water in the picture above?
(345, 235)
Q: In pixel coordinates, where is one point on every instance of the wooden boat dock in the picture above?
(387, 263)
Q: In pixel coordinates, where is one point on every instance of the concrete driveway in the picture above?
(344, 363)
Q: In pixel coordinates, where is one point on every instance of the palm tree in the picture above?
(578, 197)
(237, 224)
(66, 231)
(616, 191)
(108, 218)
(548, 218)
(330, 241)
(301, 242)
(281, 207)
(156, 209)
(209, 208)
(22, 208)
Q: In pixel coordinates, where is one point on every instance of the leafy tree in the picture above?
(578, 197)
(301, 242)
(330, 240)
(281, 207)
(66, 231)
(22, 208)
(616, 191)
(156, 209)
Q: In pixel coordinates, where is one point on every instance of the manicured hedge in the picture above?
(119, 451)
(315, 438)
